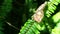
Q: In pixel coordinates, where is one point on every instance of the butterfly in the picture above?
(39, 13)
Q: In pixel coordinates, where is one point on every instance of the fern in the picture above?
(52, 4)
(32, 27)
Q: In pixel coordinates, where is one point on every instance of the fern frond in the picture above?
(52, 4)
(31, 27)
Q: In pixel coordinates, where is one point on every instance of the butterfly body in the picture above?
(39, 14)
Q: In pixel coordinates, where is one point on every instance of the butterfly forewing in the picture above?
(39, 14)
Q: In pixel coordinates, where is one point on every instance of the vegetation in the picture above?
(16, 17)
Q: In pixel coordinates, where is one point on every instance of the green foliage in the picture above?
(31, 27)
(50, 24)
(4, 9)
(56, 19)
(52, 5)
(47, 25)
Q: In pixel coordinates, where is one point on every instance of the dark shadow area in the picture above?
(15, 17)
